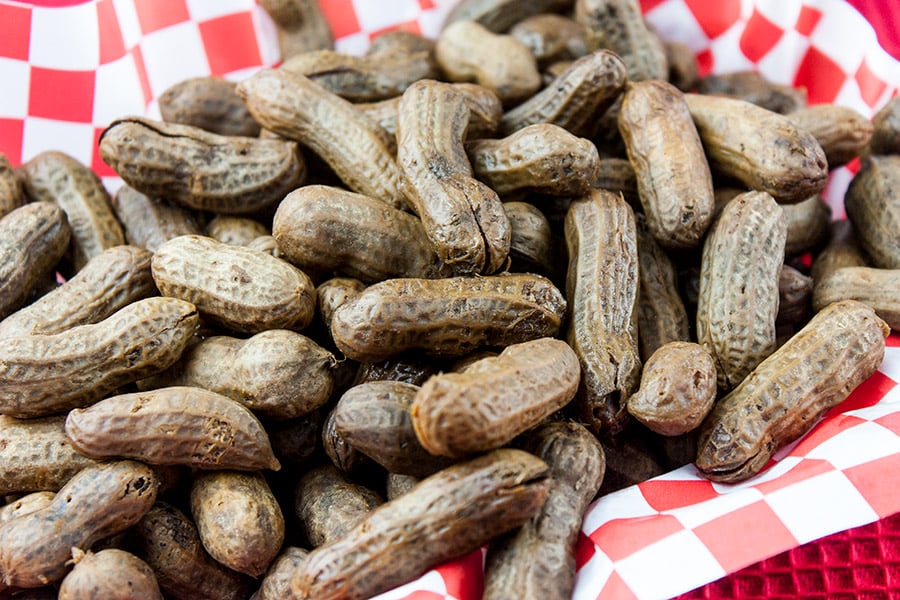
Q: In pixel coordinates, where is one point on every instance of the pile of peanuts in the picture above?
(355, 316)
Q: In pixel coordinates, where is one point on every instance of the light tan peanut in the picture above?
(45, 374)
(210, 103)
(97, 502)
(619, 26)
(602, 288)
(877, 288)
(538, 560)
(495, 399)
(168, 541)
(662, 317)
(107, 283)
(448, 514)
(238, 519)
(786, 394)
(886, 129)
(57, 177)
(738, 299)
(276, 585)
(467, 51)
(760, 148)
(842, 250)
(355, 147)
(531, 244)
(12, 196)
(301, 26)
(241, 289)
(150, 222)
(374, 418)
(551, 38)
(237, 231)
(462, 217)
(500, 15)
(447, 317)
(842, 131)
(873, 206)
(794, 297)
(552, 71)
(36, 455)
(278, 374)
(322, 229)
(678, 389)
(541, 158)
(33, 238)
(110, 574)
(267, 244)
(27, 504)
(753, 87)
(683, 68)
(677, 196)
(197, 169)
(807, 225)
(173, 426)
(327, 504)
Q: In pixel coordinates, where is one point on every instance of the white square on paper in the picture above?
(16, 76)
(841, 22)
(694, 515)
(623, 504)
(172, 55)
(65, 38)
(726, 50)
(860, 444)
(784, 14)
(117, 91)
(891, 364)
(430, 581)
(267, 36)
(674, 21)
(374, 16)
(203, 10)
(355, 44)
(129, 24)
(432, 21)
(780, 64)
(75, 139)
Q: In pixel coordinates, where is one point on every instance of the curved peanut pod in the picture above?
(97, 502)
(173, 426)
(447, 317)
(541, 158)
(886, 129)
(758, 147)
(242, 289)
(551, 38)
(755, 88)
(842, 250)
(202, 170)
(108, 282)
(576, 99)
(841, 346)
(323, 229)
(28, 503)
(500, 15)
(602, 287)
(150, 222)
(210, 103)
(463, 217)
(276, 585)
(538, 560)
(110, 573)
(807, 225)
(677, 195)
(33, 238)
(532, 244)
(495, 399)
(354, 146)
(877, 288)
(44, 374)
(738, 299)
(873, 206)
(446, 515)
(843, 132)
(12, 196)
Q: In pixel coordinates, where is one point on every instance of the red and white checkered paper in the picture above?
(68, 67)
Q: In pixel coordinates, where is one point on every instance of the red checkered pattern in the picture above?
(70, 66)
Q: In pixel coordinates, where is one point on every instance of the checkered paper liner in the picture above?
(69, 67)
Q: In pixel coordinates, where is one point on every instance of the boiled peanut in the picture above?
(26, 504)
(843, 132)
(551, 38)
(210, 103)
(397, 485)
(341, 454)
(151, 222)
(276, 585)
(109, 574)
(500, 15)
(531, 243)
(683, 69)
(873, 206)
(617, 175)
(301, 26)
(842, 250)
(753, 87)
(630, 460)
(795, 292)
(332, 293)
(886, 129)
(877, 288)
(267, 244)
(807, 225)
(408, 369)
(236, 231)
(295, 441)
(12, 196)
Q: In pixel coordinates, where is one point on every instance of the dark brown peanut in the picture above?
(886, 129)
(236, 231)
(873, 206)
(500, 15)
(677, 391)
(538, 560)
(541, 158)
(301, 24)
(446, 515)
(786, 394)
(110, 574)
(677, 195)
(807, 225)
(168, 541)
(244, 290)
(842, 132)
(842, 250)
(295, 441)
(602, 288)
(27, 504)
(342, 455)
(576, 98)
(151, 222)
(12, 196)
(323, 229)
(97, 502)
(332, 293)
(238, 518)
(33, 238)
(495, 399)
(374, 418)
(108, 282)
(551, 38)
(738, 299)
(201, 170)
(408, 369)
(45, 374)
(531, 244)
(36, 455)
(354, 146)
(462, 217)
(210, 103)
(877, 288)
(751, 86)
(447, 317)
(619, 26)
(617, 175)
(760, 148)
(276, 585)
(327, 504)
(794, 297)
(683, 68)
(173, 426)
(630, 460)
